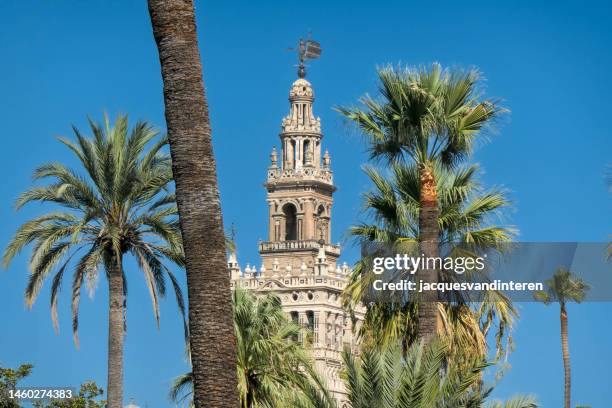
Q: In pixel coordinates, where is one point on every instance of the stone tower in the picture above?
(300, 188)
(299, 262)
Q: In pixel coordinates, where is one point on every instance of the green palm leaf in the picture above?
(273, 370)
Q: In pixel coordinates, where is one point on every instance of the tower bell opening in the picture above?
(290, 213)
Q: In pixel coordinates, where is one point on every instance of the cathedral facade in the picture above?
(299, 261)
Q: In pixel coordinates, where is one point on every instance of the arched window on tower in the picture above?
(295, 318)
(290, 222)
(310, 327)
(321, 223)
(293, 155)
(307, 153)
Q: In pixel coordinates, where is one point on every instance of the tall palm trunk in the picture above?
(212, 341)
(116, 331)
(566, 358)
(429, 247)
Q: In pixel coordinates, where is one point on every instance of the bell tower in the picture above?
(299, 262)
(300, 188)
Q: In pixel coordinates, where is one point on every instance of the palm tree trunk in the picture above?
(212, 341)
(429, 247)
(116, 331)
(566, 357)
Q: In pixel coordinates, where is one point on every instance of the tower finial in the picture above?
(273, 157)
(326, 159)
(307, 50)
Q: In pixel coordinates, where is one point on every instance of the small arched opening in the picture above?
(290, 213)
(321, 223)
(307, 153)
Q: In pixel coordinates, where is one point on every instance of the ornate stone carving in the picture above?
(301, 118)
(301, 88)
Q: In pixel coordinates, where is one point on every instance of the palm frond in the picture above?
(467, 215)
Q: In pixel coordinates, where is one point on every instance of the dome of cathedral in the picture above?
(301, 88)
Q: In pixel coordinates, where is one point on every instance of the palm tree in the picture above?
(121, 205)
(273, 370)
(386, 379)
(564, 287)
(467, 215)
(429, 117)
(213, 346)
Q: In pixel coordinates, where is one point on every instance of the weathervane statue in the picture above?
(306, 50)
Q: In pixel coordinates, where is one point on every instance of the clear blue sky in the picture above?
(549, 61)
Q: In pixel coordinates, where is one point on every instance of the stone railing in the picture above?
(306, 244)
(305, 173)
(309, 124)
(334, 281)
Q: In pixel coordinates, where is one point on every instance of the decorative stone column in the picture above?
(271, 229)
(298, 153)
(322, 328)
(309, 219)
(300, 227)
(329, 221)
